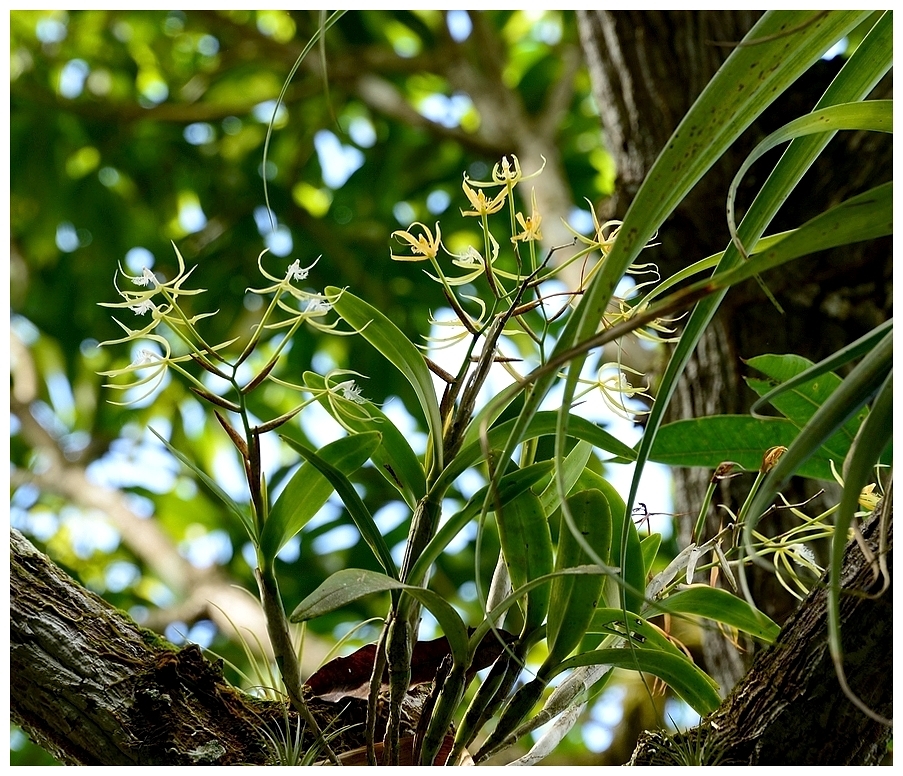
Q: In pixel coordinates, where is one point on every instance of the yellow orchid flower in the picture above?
(483, 205)
(507, 173)
(423, 246)
(530, 224)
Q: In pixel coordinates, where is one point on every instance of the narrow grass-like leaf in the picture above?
(394, 458)
(676, 670)
(234, 508)
(720, 606)
(308, 489)
(863, 217)
(573, 466)
(874, 115)
(359, 513)
(386, 337)
(860, 73)
(875, 435)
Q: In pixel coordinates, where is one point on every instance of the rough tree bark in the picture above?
(92, 688)
(790, 709)
(647, 68)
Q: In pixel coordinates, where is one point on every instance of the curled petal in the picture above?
(422, 245)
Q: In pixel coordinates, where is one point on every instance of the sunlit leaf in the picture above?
(676, 670)
(394, 458)
(349, 585)
(308, 490)
(356, 509)
(720, 606)
(385, 336)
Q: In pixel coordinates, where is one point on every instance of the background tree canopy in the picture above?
(136, 131)
(132, 130)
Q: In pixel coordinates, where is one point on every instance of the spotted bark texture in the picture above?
(647, 68)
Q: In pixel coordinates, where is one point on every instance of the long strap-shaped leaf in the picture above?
(394, 458)
(873, 115)
(353, 503)
(749, 80)
(680, 673)
(308, 490)
(349, 585)
(874, 436)
(862, 71)
(386, 337)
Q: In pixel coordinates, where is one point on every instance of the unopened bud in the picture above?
(771, 458)
(724, 471)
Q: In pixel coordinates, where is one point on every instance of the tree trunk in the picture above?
(790, 708)
(92, 688)
(647, 69)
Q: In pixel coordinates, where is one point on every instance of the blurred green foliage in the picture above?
(130, 130)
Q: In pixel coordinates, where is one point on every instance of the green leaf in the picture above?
(349, 585)
(800, 403)
(509, 487)
(863, 217)
(527, 546)
(720, 606)
(860, 73)
(876, 434)
(572, 467)
(866, 379)
(641, 632)
(542, 424)
(394, 458)
(874, 115)
(389, 340)
(236, 510)
(707, 442)
(676, 670)
(837, 359)
(353, 503)
(626, 553)
(584, 537)
(650, 546)
(308, 490)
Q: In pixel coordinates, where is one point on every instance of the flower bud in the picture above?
(771, 458)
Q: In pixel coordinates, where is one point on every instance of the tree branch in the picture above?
(789, 709)
(93, 689)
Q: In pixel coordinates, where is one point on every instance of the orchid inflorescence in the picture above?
(515, 296)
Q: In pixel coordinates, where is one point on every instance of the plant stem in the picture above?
(286, 659)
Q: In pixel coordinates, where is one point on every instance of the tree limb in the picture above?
(789, 709)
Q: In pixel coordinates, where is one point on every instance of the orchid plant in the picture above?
(576, 585)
